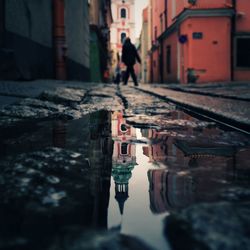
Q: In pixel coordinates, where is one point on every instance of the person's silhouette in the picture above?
(129, 57)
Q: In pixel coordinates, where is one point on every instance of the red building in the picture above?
(200, 41)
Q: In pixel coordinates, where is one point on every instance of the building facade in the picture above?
(100, 20)
(123, 12)
(44, 39)
(200, 41)
(144, 38)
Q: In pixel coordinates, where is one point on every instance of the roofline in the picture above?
(187, 13)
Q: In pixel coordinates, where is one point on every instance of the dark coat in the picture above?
(129, 54)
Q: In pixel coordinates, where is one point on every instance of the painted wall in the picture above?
(243, 17)
(77, 39)
(28, 26)
(171, 41)
(95, 64)
(155, 67)
(176, 7)
(210, 55)
(29, 38)
(144, 46)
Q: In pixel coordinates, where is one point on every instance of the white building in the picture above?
(123, 12)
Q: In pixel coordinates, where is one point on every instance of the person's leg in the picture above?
(132, 72)
(126, 76)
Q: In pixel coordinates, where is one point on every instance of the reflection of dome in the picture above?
(121, 175)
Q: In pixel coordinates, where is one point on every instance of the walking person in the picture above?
(129, 57)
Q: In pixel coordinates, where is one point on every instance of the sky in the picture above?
(139, 6)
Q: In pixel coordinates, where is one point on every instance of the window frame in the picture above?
(125, 13)
(169, 59)
(237, 37)
(121, 40)
(122, 147)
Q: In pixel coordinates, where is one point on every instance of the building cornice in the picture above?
(187, 13)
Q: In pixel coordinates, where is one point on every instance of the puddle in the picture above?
(171, 170)
(100, 178)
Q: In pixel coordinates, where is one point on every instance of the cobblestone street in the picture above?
(124, 125)
(107, 157)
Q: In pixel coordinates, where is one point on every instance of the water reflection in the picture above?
(195, 169)
(55, 181)
(130, 187)
(124, 157)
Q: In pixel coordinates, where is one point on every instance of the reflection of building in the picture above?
(197, 167)
(121, 174)
(100, 160)
(100, 19)
(169, 190)
(59, 134)
(124, 158)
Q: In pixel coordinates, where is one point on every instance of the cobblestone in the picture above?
(232, 90)
(236, 110)
(235, 106)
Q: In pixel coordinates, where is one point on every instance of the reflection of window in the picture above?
(124, 148)
(123, 36)
(124, 128)
(243, 52)
(169, 59)
(123, 13)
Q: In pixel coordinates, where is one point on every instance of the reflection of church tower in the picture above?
(121, 175)
(124, 157)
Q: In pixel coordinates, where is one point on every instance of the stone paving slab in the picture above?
(235, 110)
(34, 88)
(232, 90)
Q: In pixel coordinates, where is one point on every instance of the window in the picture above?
(169, 59)
(155, 33)
(123, 36)
(124, 128)
(161, 19)
(124, 148)
(123, 13)
(243, 52)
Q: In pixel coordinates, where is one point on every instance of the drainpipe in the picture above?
(233, 31)
(165, 14)
(59, 39)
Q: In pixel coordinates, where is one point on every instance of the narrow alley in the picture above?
(124, 125)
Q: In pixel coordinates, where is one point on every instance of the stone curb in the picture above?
(222, 118)
(191, 91)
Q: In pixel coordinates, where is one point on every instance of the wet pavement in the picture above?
(231, 109)
(116, 168)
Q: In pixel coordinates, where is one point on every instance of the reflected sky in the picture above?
(137, 219)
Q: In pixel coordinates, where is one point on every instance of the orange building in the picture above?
(200, 41)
